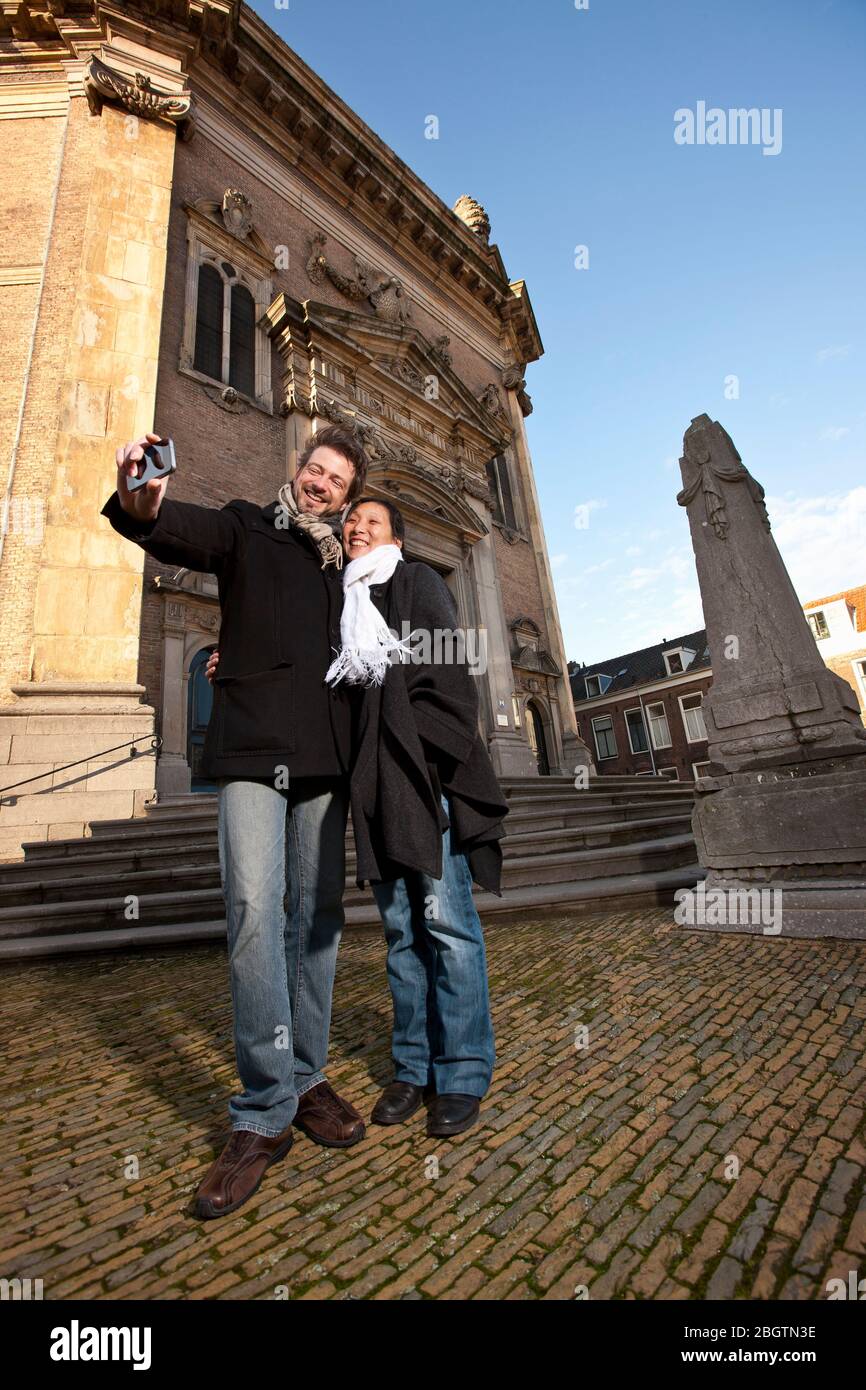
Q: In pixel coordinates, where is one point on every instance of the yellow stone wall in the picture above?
(106, 394)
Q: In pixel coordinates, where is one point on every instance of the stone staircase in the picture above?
(623, 842)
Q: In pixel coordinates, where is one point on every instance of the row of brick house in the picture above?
(640, 713)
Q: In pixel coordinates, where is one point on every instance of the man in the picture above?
(278, 746)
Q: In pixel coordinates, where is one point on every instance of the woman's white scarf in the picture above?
(368, 644)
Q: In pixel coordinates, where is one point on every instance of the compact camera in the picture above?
(158, 461)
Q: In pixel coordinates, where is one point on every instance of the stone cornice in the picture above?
(226, 49)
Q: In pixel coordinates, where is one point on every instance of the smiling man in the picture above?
(278, 746)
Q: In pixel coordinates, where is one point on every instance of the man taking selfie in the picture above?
(278, 747)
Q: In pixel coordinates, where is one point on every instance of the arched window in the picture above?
(209, 323)
(225, 328)
(242, 346)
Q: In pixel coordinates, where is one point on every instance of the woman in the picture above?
(427, 814)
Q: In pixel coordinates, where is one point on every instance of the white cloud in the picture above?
(822, 540)
(835, 433)
(557, 560)
(842, 350)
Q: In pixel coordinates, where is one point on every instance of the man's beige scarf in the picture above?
(322, 529)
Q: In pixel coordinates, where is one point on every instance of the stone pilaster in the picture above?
(78, 614)
(575, 752)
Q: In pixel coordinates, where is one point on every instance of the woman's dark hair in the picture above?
(343, 440)
(398, 525)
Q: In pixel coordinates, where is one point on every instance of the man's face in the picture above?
(321, 487)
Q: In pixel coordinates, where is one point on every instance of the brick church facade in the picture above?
(200, 237)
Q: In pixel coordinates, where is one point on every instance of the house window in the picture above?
(818, 624)
(670, 773)
(636, 731)
(701, 769)
(674, 663)
(502, 497)
(693, 718)
(596, 685)
(658, 723)
(605, 740)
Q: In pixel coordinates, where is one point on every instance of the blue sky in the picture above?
(705, 261)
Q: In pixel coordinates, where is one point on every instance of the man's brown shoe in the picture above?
(327, 1118)
(239, 1170)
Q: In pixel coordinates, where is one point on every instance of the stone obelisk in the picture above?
(784, 806)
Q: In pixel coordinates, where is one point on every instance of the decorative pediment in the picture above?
(528, 653)
(363, 362)
(426, 497)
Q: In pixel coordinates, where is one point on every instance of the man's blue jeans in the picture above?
(282, 860)
(437, 971)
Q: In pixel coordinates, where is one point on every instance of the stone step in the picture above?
(124, 872)
(579, 897)
(190, 893)
(196, 830)
(665, 852)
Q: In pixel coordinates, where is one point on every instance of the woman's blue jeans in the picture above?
(282, 859)
(437, 972)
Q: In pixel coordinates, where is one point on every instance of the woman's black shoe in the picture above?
(451, 1114)
(398, 1101)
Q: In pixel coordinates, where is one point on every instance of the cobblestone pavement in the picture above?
(609, 1166)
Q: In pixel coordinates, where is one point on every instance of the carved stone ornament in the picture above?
(513, 380)
(137, 95)
(404, 370)
(237, 213)
(380, 451)
(440, 349)
(472, 213)
(227, 398)
(491, 400)
(707, 473)
(386, 294)
(391, 303)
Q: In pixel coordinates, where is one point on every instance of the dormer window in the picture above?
(678, 659)
(597, 684)
(818, 624)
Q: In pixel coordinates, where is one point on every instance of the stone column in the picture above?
(783, 813)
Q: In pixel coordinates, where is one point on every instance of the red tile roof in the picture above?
(855, 597)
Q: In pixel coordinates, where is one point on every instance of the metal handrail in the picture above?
(155, 744)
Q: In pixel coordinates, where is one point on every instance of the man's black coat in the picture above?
(420, 726)
(280, 630)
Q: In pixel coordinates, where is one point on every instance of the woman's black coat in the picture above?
(280, 629)
(423, 714)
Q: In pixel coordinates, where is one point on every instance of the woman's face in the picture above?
(365, 528)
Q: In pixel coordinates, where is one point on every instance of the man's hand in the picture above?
(212, 663)
(144, 502)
